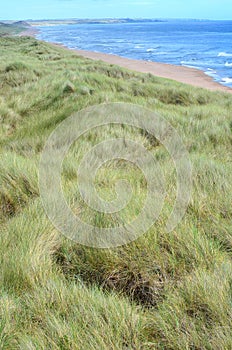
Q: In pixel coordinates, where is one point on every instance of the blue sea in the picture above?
(205, 45)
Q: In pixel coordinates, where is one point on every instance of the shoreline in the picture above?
(181, 74)
(29, 32)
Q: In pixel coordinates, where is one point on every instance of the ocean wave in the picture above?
(191, 64)
(227, 80)
(186, 62)
(213, 74)
(227, 64)
(162, 53)
(224, 54)
(120, 40)
(153, 49)
(211, 71)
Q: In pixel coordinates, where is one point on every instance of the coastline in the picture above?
(29, 32)
(181, 74)
(186, 75)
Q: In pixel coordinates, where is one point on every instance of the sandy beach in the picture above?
(181, 74)
(29, 32)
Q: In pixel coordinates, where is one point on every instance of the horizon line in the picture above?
(116, 18)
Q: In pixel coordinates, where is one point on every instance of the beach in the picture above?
(186, 51)
(32, 31)
(186, 75)
(181, 74)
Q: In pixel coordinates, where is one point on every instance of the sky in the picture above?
(52, 9)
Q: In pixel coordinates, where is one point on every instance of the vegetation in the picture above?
(7, 29)
(164, 291)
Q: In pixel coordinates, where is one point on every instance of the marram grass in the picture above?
(164, 291)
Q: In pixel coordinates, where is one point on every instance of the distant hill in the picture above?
(5, 25)
(12, 28)
(53, 22)
(21, 24)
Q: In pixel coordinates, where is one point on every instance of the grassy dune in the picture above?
(164, 291)
(11, 29)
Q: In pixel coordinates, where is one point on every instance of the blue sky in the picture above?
(29, 9)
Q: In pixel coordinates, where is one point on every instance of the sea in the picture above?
(201, 44)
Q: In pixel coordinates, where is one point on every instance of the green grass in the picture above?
(10, 29)
(164, 291)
